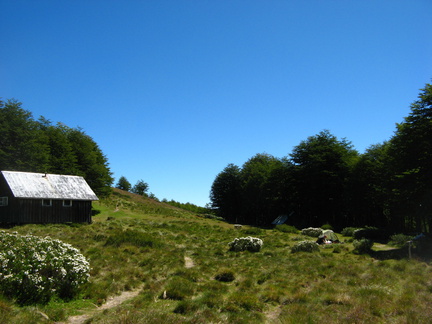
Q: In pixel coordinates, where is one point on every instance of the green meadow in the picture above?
(180, 270)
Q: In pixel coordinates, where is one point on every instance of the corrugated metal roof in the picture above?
(48, 186)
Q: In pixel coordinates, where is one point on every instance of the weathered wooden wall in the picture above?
(24, 211)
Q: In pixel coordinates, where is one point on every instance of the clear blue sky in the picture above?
(174, 91)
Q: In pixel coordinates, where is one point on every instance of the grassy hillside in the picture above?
(182, 271)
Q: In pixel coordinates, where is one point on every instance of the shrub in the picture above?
(305, 246)
(312, 231)
(327, 227)
(286, 228)
(371, 233)
(33, 269)
(252, 244)
(363, 246)
(349, 231)
(399, 239)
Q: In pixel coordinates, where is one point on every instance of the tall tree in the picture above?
(322, 164)
(225, 194)
(39, 146)
(123, 184)
(140, 188)
(258, 189)
(91, 163)
(369, 188)
(411, 153)
(22, 146)
(62, 157)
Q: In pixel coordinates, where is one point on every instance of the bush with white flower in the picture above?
(312, 231)
(34, 269)
(252, 244)
(305, 246)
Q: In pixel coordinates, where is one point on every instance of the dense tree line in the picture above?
(324, 180)
(33, 145)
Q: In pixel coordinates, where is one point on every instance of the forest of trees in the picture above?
(33, 145)
(324, 180)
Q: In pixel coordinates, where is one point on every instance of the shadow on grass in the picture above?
(398, 253)
(421, 254)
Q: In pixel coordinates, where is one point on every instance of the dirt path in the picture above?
(111, 303)
(114, 301)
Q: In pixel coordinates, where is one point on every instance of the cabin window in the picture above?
(3, 201)
(46, 202)
(67, 203)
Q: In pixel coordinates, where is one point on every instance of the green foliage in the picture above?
(286, 228)
(33, 269)
(363, 246)
(225, 193)
(349, 231)
(410, 153)
(23, 146)
(38, 146)
(399, 239)
(261, 178)
(322, 166)
(372, 233)
(140, 188)
(325, 180)
(327, 227)
(123, 184)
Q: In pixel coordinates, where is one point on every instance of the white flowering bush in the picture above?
(252, 244)
(34, 269)
(305, 246)
(312, 231)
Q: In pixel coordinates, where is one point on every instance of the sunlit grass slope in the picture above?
(185, 273)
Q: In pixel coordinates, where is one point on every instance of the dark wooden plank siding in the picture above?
(22, 211)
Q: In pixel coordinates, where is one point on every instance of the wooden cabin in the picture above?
(44, 198)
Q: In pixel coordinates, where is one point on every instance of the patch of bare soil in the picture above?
(111, 303)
